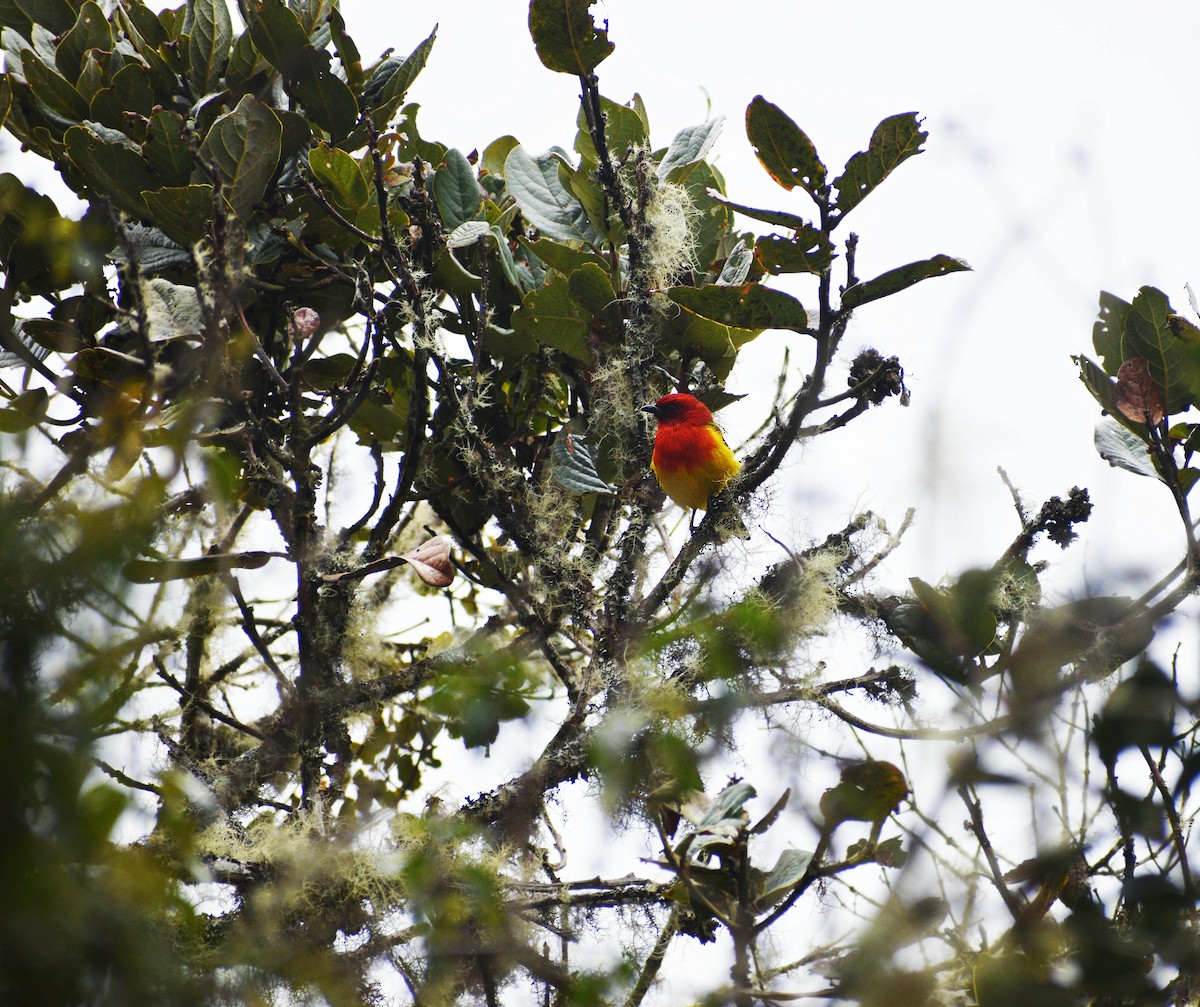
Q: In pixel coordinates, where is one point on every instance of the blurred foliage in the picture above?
(325, 490)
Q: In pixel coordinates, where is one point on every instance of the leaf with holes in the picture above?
(900, 278)
(893, 142)
(782, 147)
(807, 251)
(566, 38)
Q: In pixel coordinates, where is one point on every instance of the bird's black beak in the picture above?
(651, 409)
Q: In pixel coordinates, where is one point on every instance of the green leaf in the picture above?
(393, 77)
(566, 38)
(181, 212)
(689, 146)
(27, 410)
(1174, 363)
(564, 258)
(90, 31)
(52, 89)
(172, 310)
(788, 871)
(737, 266)
(750, 306)
(342, 176)
(782, 147)
(456, 190)
(778, 217)
(808, 251)
(210, 32)
(132, 90)
(496, 153)
(1124, 449)
(347, 51)
(167, 150)
(900, 278)
(544, 201)
(281, 38)
(467, 233)
(728, 806)
(54, 15)
(551, 317)
(111, 169)
(710, 227)
(894, 141)
(245, 146)
(592, 290)
(623, 128)
(145, 571)
(1102, 387)
(328, 101)
(574, 467)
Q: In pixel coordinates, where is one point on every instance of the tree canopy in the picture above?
(326, 482)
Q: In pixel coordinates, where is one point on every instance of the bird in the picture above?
(691, 459)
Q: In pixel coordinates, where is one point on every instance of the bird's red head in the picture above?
(680, 408)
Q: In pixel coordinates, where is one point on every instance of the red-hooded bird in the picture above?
(691, 459)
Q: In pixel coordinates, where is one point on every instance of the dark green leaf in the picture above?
(56, 16)
(623, 128)
(809, 251)
(456, 190)
(574, 468)
(552, 318)
(393, 77)
(895, 280)
(167, 150)
(27, 410)
(750, 306)
(181, 212)
(566, 38)
(564, 258)
(782, 147)
(279, 36)
(778, 217)
(894, 141)
(347, 51)
(210, 32)
(592, 289)
(1174, 363)
(326, 98)
(245, 146)
(145, 571)
(52, 89)
(90, 31)
(110, 168)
